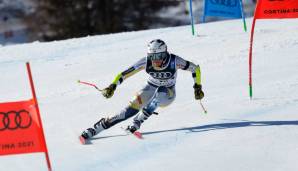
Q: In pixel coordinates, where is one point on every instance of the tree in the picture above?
(62, 19)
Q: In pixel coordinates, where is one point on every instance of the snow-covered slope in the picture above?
(236, 134)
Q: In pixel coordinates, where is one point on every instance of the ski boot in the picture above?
(131, 129)
(91, 132)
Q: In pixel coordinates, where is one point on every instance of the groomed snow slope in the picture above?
(237, 134)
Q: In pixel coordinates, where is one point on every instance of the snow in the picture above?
(236, 134)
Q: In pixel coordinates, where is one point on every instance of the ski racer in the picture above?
(159, 91)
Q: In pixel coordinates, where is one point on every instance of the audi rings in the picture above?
(15, 120)
(228, 3)
(161, 75)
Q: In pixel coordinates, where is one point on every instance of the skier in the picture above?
(158, 92)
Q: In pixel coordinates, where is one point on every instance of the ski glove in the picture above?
(199, 94)
(109, 91)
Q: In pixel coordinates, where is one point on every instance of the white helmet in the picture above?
(157, 53)
(157, 46)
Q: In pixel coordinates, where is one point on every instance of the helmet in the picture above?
(157, 53)
(157, 46)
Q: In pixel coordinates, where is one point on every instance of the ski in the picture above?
(84, 141)
(136, 134)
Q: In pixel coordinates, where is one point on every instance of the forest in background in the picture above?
(47, 20)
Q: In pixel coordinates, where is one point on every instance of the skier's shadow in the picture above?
(212, 127)
(110, 136)
(231, 125)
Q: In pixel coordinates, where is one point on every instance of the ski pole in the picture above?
(89, 84)
(205, 111)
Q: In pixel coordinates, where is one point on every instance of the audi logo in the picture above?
(161, 75)
(228, 3)
(15, 120)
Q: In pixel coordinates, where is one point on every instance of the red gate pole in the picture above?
(250, 57)
(38, 114)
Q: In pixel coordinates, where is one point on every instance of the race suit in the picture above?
(159, 92)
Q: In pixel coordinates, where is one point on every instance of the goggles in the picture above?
(157, 56)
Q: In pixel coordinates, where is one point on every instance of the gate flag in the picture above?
(270, 9)
(21, 127)
(275, 9)
(224, 8)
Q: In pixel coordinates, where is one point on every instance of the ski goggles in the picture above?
(157, 56)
